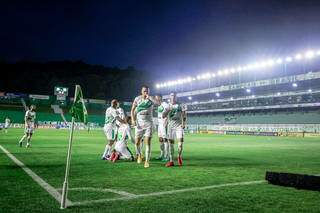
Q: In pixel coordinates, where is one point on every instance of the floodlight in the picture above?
(253, 96)
(279, 60)
(198, 77)
(270, 62)
(231, 98)
(213, 75)
(248, 90)
(220, 72)
(278, 93)
(232, 70)
(309, 90)
(294, 84)
(158, 86)
(218, 94)
(256, 65)
(288, 59)
(318, 52)
(309, 54)
(298, 56)
(239, 69)
(226, 72)
(190, 98)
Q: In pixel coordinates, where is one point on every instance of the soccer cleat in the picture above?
(146, 164)
(112, 156)
(165, 160)
(28, 145)
(170, 164)
(139, 160)
(115, 158)
(159, 158)
(20, 143)
(179, 161)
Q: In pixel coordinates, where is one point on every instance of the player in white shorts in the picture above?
(141, 115)
(176, 122)
(121, 149)
(110, 128)
(162, 129)
(6, 124)
(29, 125)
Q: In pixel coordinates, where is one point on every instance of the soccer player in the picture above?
(6, 124)
(162, 129)
(121, 114)
(141, 115)
(176, 123)
(29, 124)
(110, 128)
(121, 150)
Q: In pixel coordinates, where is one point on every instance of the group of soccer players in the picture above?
(171, 123)
(117, 128)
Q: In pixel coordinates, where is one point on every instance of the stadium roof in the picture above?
(263, 64)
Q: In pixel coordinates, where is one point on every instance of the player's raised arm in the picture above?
(155, 100)
(133, 113)
(184, 117)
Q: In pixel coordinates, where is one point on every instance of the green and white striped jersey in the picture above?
(30, 116)
(175, 115)
(161, 109)
(111, 114)
(144, 108)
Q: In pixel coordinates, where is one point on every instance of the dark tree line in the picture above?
(96, 81)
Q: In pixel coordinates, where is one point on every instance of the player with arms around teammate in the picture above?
(7, 124)
(29, 124)
(176, 122)
(110, 128)
(162, 129)
(141, 115)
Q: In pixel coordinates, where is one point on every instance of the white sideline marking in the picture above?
(127, 194)
(51, 190)
(168, 192)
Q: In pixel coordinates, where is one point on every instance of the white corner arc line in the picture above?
(46, 186)
(168, 192)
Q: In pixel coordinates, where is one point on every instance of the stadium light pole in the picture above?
(64, 194)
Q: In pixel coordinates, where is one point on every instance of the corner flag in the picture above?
(78, 111)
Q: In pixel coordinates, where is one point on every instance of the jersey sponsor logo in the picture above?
(175, 110)
(144, 105)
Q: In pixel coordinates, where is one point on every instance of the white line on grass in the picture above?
(168, 192)
(51, 190)
(92, 189)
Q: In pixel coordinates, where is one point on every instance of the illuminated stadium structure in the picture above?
(282, 92)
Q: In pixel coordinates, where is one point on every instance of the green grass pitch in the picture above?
(208, 160)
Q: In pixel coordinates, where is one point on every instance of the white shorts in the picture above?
(29, 129)
(162, 131)
(110, 132)
(122, 148)
(6, 126)
(175, 133)
(143, 129)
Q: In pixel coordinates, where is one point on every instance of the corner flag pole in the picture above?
(66, 177)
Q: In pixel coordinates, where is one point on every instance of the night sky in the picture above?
(179, 37)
